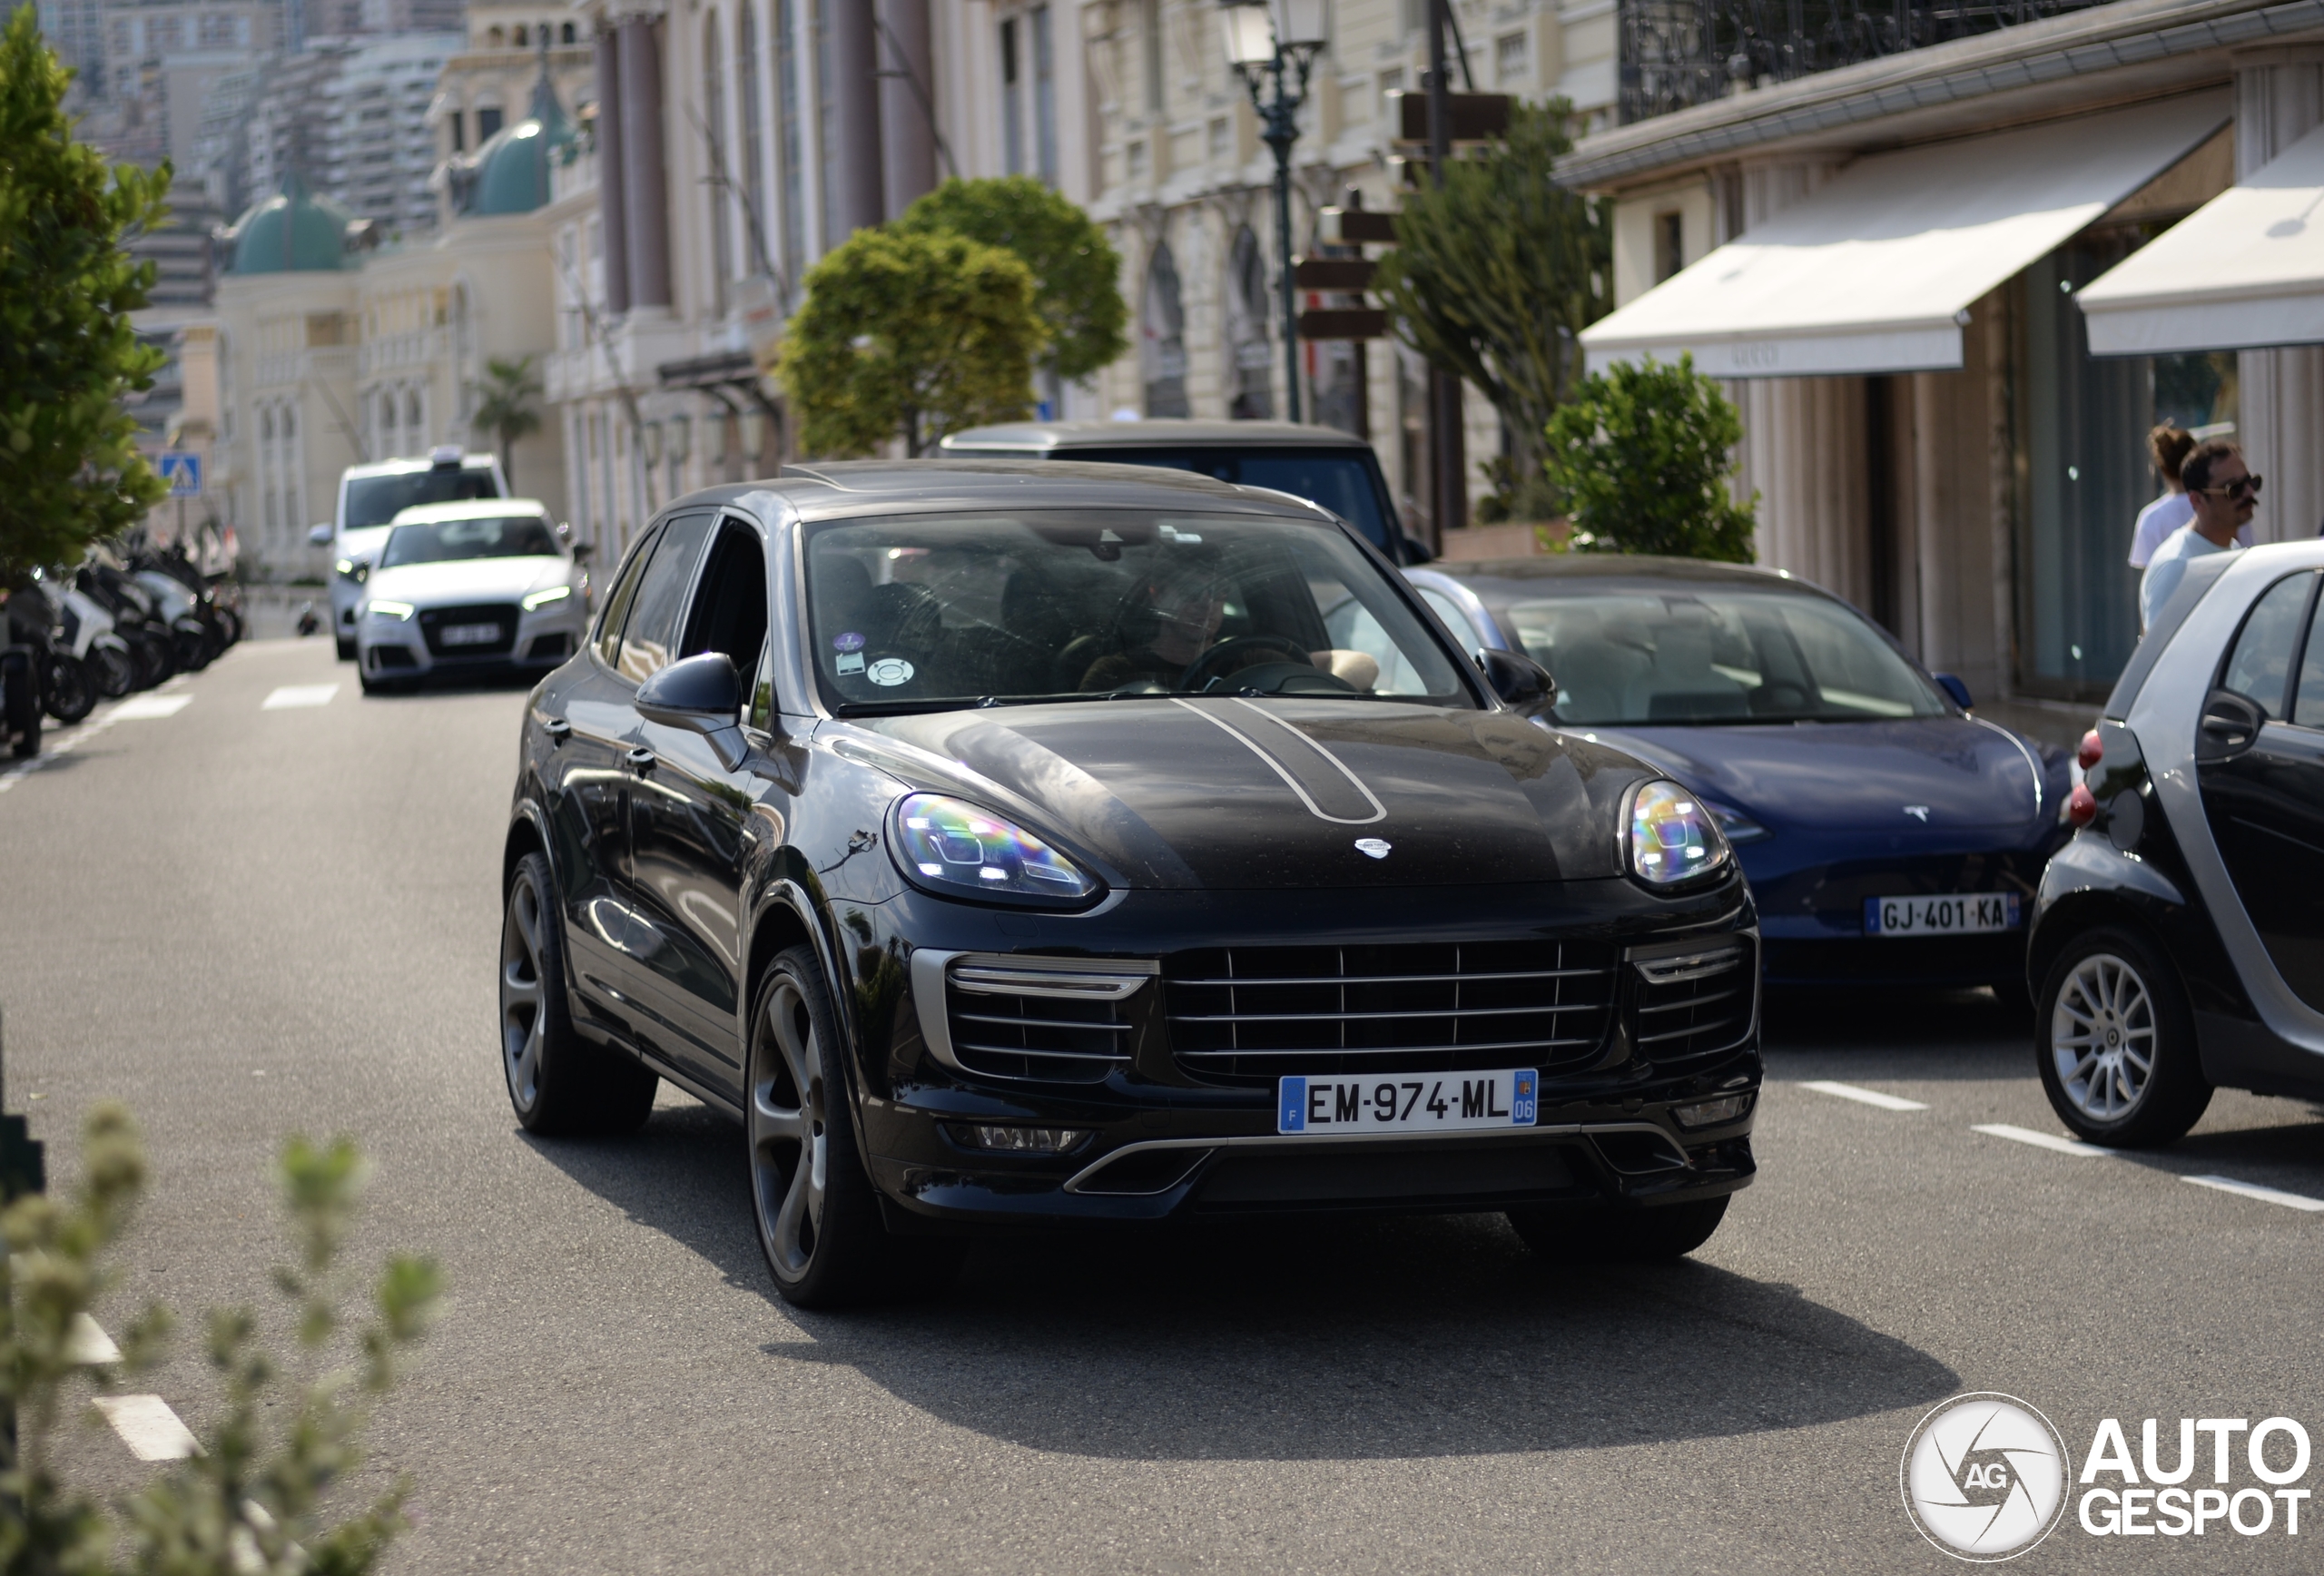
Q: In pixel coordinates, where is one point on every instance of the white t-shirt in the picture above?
(2168, 568)
(2156, 521)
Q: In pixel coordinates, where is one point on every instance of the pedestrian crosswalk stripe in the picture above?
(143, 708)
(1864, 1097)
(147, 1425)
(2040, 1141)
(299, 695)
(2264, 1195)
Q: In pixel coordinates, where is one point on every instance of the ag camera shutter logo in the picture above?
(1984, 1477)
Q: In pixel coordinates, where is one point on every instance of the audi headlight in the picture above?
(1673, 836)
(953, 848)
(398, 611)
(547, 595)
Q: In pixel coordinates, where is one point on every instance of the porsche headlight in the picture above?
(951, 846)
(547, 595)
(398, 611)
(1673, 836)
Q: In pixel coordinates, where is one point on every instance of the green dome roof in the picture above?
(292, 231)
(510, 174)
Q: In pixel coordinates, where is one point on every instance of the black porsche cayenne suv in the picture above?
(1031, 844)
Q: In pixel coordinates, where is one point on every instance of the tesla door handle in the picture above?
(557, 729)
(642, 758)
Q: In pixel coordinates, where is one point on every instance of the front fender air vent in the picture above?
(1057, 1019)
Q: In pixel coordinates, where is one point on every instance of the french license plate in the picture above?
(1435, 1102)
(1962, 914)
(468, 634)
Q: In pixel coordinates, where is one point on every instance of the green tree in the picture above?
(909, 334)
(507, 407)
(1493, 275)
(247, 1501)
(70, 472)
(1077, 273)
(1642, 456)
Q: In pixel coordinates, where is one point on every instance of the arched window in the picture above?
(496, 37)
(753, 133)
(714, 189)
(1162, 329)
(1252, 393)
(413, 425)
(517, 38)
(567, 36)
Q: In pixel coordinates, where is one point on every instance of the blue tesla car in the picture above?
(1890, 837)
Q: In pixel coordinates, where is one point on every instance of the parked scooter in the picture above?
(85, 632)
(34, 625)
(135, 618)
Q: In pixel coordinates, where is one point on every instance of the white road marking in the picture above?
(2264, 1195)
(299, 695)
(2042, 1140)
(147, 1425)
(145, 708)
(87, 1343)
(1866, 1096)
(55, 745)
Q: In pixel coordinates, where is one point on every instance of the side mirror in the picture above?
(1521, 682)
(703, 694)
(583, 551)
(2231, 724)
(1411, 552)
(1956, 688)
(319, 534)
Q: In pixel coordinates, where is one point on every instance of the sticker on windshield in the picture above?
(849, 661)
(851, 641)
(890, 670)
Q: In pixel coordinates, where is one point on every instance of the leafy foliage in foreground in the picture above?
(1077, 273)
(1643, 457)
(70, 472)
(249, 1501)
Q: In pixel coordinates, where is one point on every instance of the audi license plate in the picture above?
(1962, 914)
(1433, 1102)
(468, 634)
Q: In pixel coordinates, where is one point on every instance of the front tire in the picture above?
(817, 1218)
(1620, 1236)
(72, 693)
(2115, 1040)
(558, 1082)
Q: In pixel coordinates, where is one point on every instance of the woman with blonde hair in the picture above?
(2171, 446)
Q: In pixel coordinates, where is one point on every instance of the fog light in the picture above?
(1711, 1113)
(1020, 1140)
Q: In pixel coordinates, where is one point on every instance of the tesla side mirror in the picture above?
(319, 535)
(703, 692)
(2231, 724)
(1521, 682)
(1953, 686)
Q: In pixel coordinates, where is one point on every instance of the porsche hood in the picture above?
(1227, 792)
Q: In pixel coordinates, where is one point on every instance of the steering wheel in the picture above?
(1199, 669)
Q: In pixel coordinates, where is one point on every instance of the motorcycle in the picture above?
(135, 618)
(89, 635)
(198, 641)
(60, 684)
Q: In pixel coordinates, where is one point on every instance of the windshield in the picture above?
(443, 541)
(922, 610)
(374, 500)
(1715, 657)
(1341, 480)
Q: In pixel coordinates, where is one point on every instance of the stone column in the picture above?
(907, 136)
(646, 208)
(2279, 99)
(855, 167)
(612, 223)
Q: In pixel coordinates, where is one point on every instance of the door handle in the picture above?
(642, 758)
(557, 729)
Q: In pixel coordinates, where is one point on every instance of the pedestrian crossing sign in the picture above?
(181, 470)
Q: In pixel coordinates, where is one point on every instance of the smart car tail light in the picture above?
(1673, 836)
(953, 848)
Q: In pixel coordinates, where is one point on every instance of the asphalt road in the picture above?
(248, 921)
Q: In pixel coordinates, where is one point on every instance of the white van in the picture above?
(369, 496)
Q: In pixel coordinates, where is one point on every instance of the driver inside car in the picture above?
(1174, 623)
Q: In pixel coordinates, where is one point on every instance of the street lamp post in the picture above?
(1272, 44)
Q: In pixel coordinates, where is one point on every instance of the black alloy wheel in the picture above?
(71, 691)
(817, 1218)
(558, 1082)
(2115, 1041)
(1617, 1234)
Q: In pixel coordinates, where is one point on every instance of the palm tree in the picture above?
(505, 406)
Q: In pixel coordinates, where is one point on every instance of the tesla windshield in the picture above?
(933, 609)
(1338, 478)
(374, 500)
(444, 541)
(1715, 657)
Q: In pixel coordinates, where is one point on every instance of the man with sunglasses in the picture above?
(2224, 494)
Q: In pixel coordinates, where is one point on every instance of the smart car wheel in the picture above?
(2117, 1043)
(818, 1218)
(558, 1081)
(1620, 1236)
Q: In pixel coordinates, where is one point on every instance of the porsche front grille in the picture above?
(1250, 1015)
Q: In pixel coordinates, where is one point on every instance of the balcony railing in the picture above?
(1679, 53)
